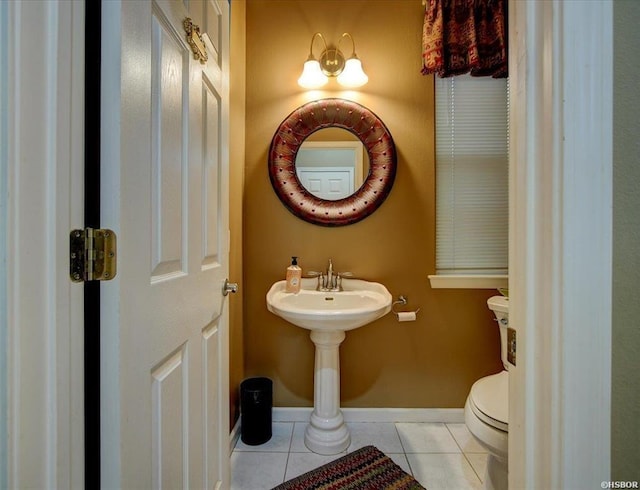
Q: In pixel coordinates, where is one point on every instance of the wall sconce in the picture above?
(332, 64)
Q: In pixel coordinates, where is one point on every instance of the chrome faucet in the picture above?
(329, 281)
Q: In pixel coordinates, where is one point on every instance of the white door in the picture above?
(331, 183)
(165, 401)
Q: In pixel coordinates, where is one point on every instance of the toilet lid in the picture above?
(490, 400)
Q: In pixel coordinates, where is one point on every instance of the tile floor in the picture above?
(440, 456)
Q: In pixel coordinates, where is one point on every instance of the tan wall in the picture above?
(428, 363)
(236, 192)
(625, 385)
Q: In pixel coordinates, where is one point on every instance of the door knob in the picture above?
(229, 287)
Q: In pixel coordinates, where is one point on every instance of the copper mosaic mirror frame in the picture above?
(308, 119)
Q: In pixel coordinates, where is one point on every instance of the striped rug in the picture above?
(365, 469)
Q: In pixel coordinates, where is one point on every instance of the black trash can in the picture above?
(256, 401)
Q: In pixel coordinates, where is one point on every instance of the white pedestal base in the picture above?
(327, 432)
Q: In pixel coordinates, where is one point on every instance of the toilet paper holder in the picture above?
(400, 315)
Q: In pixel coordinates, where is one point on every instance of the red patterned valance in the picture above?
(465, 36)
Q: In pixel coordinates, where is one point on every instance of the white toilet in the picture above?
(487, 408)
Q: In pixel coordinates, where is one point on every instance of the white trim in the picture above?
(234, 436)
(4, 167)
(290, 414)
(44, 171)
(458, 281)
(445, 415)
(353, 415)
(560, 242)
(110, 420)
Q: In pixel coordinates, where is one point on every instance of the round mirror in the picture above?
(329, 201)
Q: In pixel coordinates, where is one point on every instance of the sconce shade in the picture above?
(312, 76)
(353, 75)
(332, 64)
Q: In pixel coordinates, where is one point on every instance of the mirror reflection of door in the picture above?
(332, 164)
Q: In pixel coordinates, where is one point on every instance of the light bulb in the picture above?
(353, 75)
(312, 76)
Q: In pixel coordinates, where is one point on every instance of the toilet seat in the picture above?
(489, 400)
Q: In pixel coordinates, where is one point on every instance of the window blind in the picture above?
(472, 147)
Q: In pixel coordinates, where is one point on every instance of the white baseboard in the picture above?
(447, 415)
(234, 436)
(302, 414)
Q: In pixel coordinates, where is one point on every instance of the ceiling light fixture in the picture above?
(332, 64)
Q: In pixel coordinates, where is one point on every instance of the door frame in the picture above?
(560, 222)
(42, 318)
(570, 37)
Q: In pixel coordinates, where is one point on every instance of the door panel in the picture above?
(169, 408)
(169, 145)
(166, 339)
(214, 32)
(213, 452)
(330, 183)
(211, 174)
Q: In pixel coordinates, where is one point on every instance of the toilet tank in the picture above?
(500, 307)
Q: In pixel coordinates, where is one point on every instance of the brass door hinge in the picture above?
(92, 254)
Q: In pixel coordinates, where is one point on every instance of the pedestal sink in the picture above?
(328, 315)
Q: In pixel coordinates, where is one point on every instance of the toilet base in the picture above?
(496, 443)
(496, 476)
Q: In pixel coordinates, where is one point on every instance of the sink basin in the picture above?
(360, 303)
(329, 316)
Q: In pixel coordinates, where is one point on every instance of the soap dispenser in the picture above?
(294, 276)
